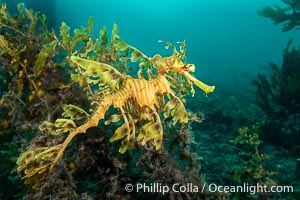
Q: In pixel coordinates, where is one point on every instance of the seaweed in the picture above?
(253, 169)
(278, 96)
(35, 79)
(288, 15)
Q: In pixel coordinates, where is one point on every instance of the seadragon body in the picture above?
(137, 99)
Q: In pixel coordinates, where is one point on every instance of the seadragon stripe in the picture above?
(142, 91)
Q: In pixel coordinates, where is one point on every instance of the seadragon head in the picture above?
(177, 64)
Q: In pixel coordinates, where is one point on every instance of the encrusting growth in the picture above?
(137, 100)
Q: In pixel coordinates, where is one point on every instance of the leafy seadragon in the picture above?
(138, 100)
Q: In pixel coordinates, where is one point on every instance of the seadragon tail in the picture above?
(36, 162)
(91, 122)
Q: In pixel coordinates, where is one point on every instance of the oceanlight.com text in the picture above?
(251, 189)
(192, 188)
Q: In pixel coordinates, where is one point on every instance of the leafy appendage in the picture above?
(104, 73)
(177, 110)
(35, 164)
(74, 112)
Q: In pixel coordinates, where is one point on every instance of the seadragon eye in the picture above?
(191, 68)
